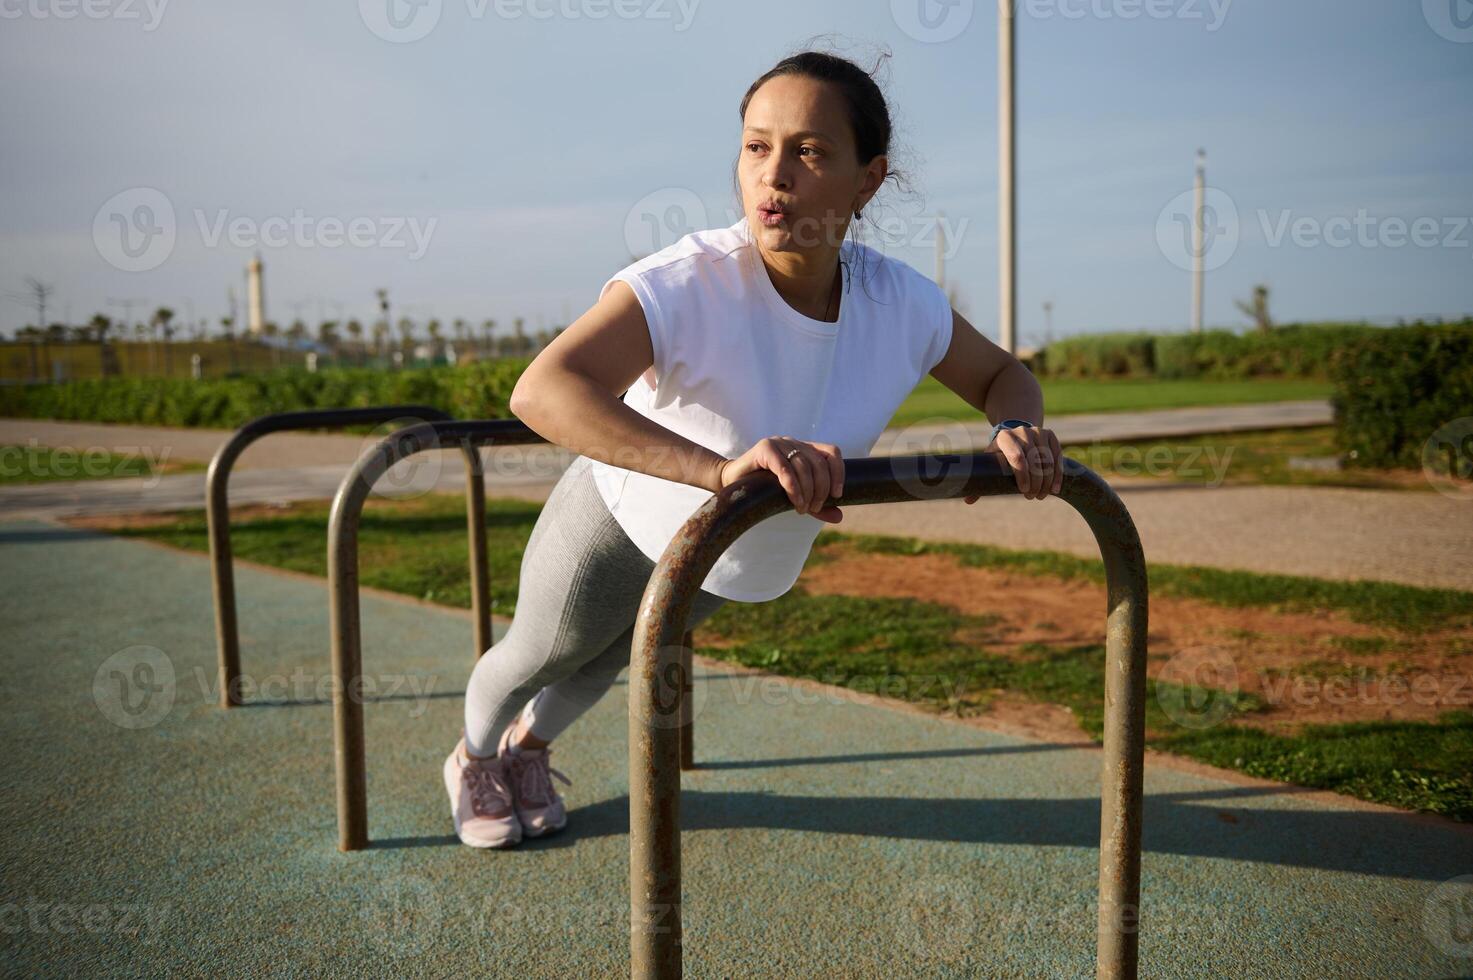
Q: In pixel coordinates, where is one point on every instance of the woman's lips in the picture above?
(771, 218)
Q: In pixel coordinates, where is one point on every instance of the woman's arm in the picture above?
(1000, 386)
(987, 377)
(569, 395)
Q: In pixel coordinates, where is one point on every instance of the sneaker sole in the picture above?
(451, 772)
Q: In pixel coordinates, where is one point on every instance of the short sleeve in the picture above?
(940, 322)
(659, 338)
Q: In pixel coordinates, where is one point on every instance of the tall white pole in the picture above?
(1199, 220)
(1007, 188)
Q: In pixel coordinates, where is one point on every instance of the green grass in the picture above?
(1415, 765)
(44, 464)
(415, 547)
(935, 655)
(931, 399)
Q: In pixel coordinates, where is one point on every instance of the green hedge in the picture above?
(1299, 350)
(1393, 389)
(474, 391)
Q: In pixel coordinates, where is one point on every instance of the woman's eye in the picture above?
(813, 148)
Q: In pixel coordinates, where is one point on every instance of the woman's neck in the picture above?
(810, 287)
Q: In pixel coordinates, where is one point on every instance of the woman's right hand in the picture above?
(813, 474)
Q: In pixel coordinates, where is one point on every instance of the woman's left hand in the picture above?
(1034, 455)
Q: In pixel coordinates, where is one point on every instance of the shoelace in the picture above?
(488, 791)
(536, 786)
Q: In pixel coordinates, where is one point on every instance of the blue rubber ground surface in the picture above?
(147, 832)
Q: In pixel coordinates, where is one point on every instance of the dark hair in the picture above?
(865, 105)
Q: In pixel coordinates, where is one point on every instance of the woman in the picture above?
(722, 339)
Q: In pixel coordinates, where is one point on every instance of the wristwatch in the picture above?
(1005, 424)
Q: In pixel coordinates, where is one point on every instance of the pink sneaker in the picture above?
(481, 800)
(538, 806)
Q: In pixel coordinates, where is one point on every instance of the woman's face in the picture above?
(798, 155)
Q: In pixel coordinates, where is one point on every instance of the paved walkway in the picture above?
(147, 832)
(1414, 538)
(296, 449)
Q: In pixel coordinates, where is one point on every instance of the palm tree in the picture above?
(488, 327)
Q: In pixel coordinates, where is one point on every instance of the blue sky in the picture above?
(533, 142)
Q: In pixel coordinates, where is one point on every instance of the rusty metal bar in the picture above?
(217, 513)
(342, 578)
(660, 676)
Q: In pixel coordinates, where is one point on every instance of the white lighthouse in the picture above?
(256, 296)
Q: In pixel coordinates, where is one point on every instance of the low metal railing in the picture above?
(217, 513)
(660, 679)
(342, 574)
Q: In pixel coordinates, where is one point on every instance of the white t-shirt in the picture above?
(734, 364)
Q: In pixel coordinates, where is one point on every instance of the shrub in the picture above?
(1394, 388)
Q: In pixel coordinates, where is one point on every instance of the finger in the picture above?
(785, 474)
(818, 471)
(1058, 460)
(799, 466)
(1014, 455)
(835, 459)
(1035, 465)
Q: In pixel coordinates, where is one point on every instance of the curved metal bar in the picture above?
(217, 512)
(342, 578)
(659, 675)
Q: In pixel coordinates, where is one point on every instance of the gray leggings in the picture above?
(580, 585)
